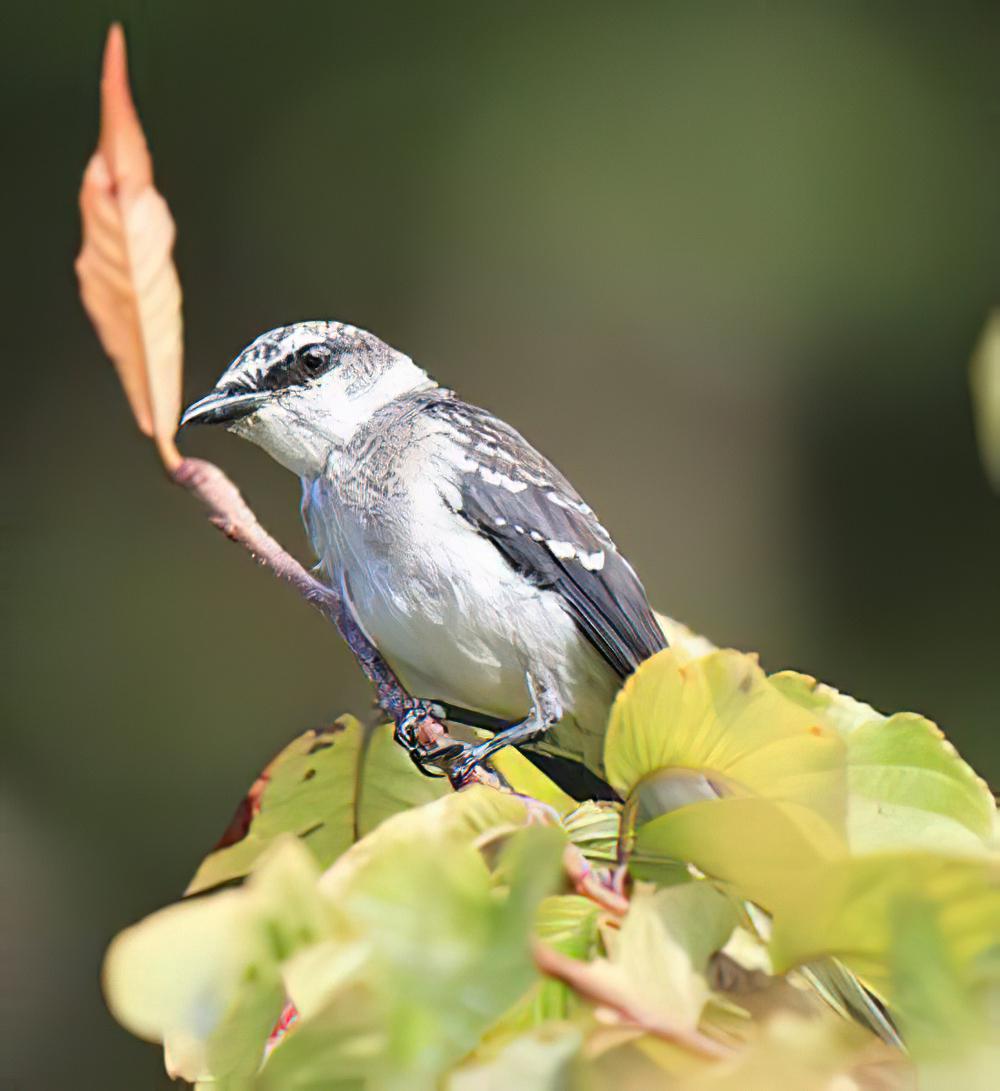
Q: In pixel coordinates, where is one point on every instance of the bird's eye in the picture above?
(314, 359)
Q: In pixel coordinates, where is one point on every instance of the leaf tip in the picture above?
(114, 67)
(121, 140)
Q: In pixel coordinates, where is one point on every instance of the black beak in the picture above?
(222, 407)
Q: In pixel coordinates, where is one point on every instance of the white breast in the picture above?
(452, 618)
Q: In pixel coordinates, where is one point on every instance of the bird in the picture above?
(465, 557)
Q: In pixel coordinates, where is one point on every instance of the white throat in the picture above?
(303, 429)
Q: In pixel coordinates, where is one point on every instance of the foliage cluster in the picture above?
(779, 845)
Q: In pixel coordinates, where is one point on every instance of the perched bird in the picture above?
(468, 560)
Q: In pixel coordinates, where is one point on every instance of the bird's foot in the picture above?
(419, 725)
(419, 731)
(463, 766)
(546, 709)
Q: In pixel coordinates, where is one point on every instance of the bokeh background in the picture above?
(724, 263)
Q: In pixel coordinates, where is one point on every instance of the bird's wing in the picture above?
(517, 499)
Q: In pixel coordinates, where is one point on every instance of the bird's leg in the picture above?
(469, 718)
(420, 733)
(419, 723)
(419, 726)
(546, 709)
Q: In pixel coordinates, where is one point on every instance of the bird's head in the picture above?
(300, 391)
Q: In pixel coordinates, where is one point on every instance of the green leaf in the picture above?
(844, 993)
(569, 923)
(529, 780)
(825, 904)
(329, 787)
(664, 945)
(924, 932)
(859, 909)
(177, 978)
(545, 1059)
(388, 782)
(907, 785)
(457, 820)
(339, 1048)
(447, 948)
(820, 1053)
(758, 846)
(835, 709)
(204, 976)
(593, 827)
(721, 714)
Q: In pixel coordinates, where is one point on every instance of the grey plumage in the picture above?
(469, 561)
(515, 497)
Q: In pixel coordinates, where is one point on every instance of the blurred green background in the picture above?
(724, 263)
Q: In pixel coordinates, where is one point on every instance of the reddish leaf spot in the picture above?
(246, 812)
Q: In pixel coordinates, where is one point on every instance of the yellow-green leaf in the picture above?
(329, 787)
(203, 977)
(833, 708)
(544, 1059)
(721, 714)
(922, 930)
(907, 785)
(664, 945)
(851, 909)
(569, 923)
(454, 821)
(758, 846)
(529, 780)
(593, 828)
(445, 948)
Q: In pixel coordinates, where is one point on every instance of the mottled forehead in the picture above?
(284, 342)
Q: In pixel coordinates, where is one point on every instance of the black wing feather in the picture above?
(515, 497)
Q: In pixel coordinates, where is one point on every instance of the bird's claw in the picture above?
(455, 760)
(436, 762)
(461, 769)
(408, 726)
(428, 758)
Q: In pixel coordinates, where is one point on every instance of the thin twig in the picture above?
(596, 987)
(228, 511)
(585, 882)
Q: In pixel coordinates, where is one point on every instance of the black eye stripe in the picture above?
(302, 367)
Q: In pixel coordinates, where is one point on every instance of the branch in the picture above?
(587, 979)
(230, 513)
(585, 882)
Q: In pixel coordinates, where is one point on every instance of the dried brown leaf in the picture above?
(128, 281)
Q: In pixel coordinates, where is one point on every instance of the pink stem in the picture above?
(586, 979)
